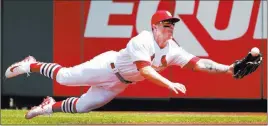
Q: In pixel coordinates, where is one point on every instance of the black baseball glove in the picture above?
(246, 65)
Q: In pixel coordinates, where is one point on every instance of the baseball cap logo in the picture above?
(168, 13)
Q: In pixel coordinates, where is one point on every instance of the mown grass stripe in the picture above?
(17, 117)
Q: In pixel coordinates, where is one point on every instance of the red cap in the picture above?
(162, 15)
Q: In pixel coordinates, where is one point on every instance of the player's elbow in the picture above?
(200, 65)
(145, 71)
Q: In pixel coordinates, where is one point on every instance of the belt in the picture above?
(116, 72)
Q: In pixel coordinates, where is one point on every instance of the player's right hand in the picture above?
(177, 87)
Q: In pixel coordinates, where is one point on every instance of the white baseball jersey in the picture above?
(143, 47)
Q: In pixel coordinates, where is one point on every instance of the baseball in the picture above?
(255, 51)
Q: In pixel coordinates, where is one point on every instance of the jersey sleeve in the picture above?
(139, 51)
(182, 58)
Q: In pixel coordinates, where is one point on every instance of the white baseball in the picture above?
(255, 51)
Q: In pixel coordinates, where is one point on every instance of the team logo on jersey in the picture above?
(163, 64)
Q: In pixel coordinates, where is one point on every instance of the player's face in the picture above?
(167, 24)
(167, 28)
(165, 31)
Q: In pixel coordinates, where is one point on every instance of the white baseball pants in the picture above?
(96, 73)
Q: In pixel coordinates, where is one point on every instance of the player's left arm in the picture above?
(210, 66)
(238, 69)
(182, 58)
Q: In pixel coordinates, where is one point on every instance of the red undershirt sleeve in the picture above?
(192, 62)
(141, 64)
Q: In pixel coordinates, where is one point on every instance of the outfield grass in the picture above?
(17, 117)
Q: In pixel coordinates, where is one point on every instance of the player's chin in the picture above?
(170, 36)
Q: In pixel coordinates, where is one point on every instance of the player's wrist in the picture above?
(231, 69)
(170, 84)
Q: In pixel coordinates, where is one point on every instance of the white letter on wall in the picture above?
(146, 9)
(238, 24)
(98, 17)
(182, 33)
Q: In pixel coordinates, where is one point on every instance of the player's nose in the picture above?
(171, 28)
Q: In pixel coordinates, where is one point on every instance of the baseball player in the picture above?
(111, 72)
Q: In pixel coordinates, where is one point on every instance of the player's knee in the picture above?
(83, 110)
(62, 76)
(61, 81)
(87, 106)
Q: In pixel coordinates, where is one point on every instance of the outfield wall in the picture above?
(72, 32)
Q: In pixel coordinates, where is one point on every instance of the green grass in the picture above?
(17, 117)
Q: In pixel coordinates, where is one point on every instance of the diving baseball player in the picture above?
(111, 72)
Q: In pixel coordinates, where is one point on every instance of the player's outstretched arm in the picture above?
(210, 66)
(238, 69)
(149, 73)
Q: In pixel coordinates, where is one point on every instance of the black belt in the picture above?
(116, 72)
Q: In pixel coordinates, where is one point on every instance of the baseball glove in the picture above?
(246, 65)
